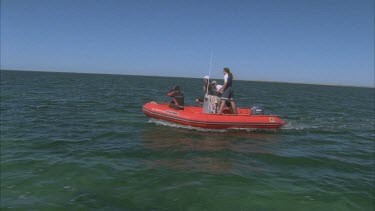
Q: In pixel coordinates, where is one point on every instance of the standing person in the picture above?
(227, 92)
(178, 98)
(216, 90)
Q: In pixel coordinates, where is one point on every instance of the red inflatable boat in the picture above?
(194, 116)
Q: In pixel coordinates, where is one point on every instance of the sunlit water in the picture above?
(81, 141)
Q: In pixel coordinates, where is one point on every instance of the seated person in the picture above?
(205, 89)
(178, 98)
(215, 97)
(216, 88)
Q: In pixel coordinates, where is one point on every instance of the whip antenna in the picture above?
(206, 100)
(209, 74)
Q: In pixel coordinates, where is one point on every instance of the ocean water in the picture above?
(81, 141)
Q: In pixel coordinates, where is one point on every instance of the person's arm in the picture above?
(171, 93)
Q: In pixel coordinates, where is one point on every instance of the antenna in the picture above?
(209, 74)
(207, 101)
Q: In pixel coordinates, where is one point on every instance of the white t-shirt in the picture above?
(226, 77)
(218, 87)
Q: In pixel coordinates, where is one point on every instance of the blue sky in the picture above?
(305, 41)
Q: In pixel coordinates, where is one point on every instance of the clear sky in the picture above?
(306, 41)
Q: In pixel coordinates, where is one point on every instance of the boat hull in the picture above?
(193, 116)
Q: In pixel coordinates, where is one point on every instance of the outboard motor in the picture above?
(257, 110)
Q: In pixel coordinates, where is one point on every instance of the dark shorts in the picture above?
(228, 94)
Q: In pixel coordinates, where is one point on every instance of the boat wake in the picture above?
(170, 124)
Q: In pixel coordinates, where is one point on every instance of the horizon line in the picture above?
(262, 81)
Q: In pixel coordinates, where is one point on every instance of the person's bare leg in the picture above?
(231, 109)
(221, 106)
(234, 109)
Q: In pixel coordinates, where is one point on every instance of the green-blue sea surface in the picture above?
(81, 142)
